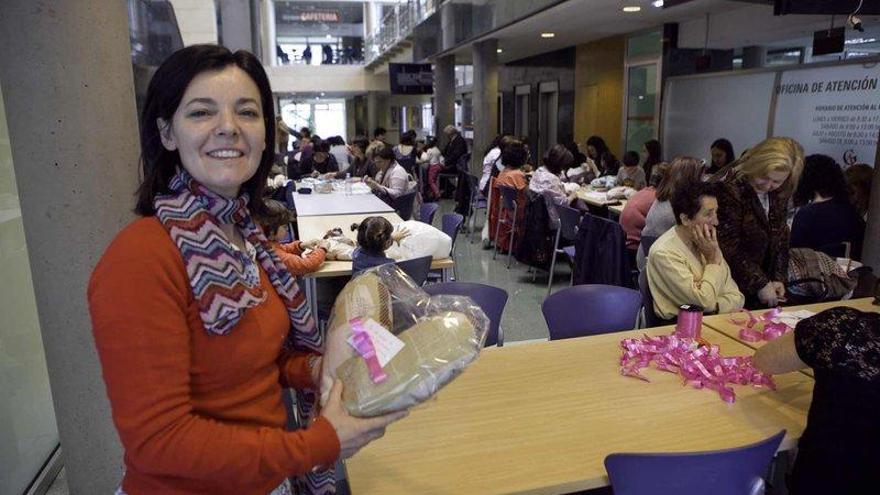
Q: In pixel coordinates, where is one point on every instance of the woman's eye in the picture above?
(198, 113)
(250, 113)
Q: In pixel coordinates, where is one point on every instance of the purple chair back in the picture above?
(591, 310)
(403, 205)
(450, 224)
(569, 219)
(417, 269)
(737, 471)
(508, 197)
(490, 299)
(427, 212)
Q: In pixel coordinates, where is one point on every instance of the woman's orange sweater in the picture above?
(196, 413)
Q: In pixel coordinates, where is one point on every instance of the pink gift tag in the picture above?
(363, 344)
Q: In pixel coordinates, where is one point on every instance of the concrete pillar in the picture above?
(267, 9)
(444, 94)
(485, 100)
(372, 112)
(65, 69)
(754, 57)
(236, 26)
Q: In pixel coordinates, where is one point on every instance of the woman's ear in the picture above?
(165, 134)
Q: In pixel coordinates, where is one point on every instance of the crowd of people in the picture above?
(199, 323)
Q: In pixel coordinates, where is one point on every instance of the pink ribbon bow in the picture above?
(700, 366)
(771, 330)
(363, 344)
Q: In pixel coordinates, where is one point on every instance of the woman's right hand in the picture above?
(354, 433)
(767, 295)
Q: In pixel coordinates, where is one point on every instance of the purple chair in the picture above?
(567, 230)
(591, 310)
(427, 212)
(510, 204)
(737, 471)
(490, 299)
(417, 269)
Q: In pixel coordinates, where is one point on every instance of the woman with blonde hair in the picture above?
(752, 211)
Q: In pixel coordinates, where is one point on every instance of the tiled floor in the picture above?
(522, 320)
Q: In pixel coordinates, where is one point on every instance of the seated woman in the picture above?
(660, 217)
(274, 223)
(321, 162)
(631, 174)
(513, 156)
(391, 181)
(635, 212)
(826, 218)
(583, 170)
(753, 207)
(685, 265)
(546, 179)
(839, 450)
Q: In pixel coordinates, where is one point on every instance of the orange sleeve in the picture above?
(295, 370)
(290, 255)
(138, 296)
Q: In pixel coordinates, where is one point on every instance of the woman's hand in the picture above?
(370, 182)
(706, 241)
(354, 433)
(310, 244)
(767, 295)
(400, 235)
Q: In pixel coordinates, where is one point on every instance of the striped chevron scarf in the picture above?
(226, 282)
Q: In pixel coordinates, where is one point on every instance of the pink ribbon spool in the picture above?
(363, 344)
(690, 321)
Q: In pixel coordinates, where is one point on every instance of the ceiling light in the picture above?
(548, 35)
(657, 3)
(329, 36)
(860, 41)
(499, 50)
(632, 8)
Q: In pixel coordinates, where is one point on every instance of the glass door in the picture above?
(642, 105)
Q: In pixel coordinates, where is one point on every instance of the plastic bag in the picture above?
(423, 240)
(422, 342)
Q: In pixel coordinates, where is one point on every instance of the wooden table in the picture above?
(588, 196)
(541, 418)
(722, 323)
(314, 227)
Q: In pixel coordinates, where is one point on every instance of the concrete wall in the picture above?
(65, 69)
(598, 102)
(197, 20)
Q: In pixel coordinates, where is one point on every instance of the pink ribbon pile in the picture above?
(363, 345)
(771, 331)
(700, 366)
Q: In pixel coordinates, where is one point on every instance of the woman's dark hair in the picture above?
(599, 144)
(320, 145)
(558, 159)
(496, 143)
(164, 94)
(686, 198)
(384, 152)
(361, 142)
(659, 173)
(579, 157)
(335, 141)
(430, 142)
(374, 233)
(608, 163)
(725, 146)
(631, 159)
(514, 155)
(408, 138)
(305, 132)
(682, 169)
(655, 152)
(379, 131)
(273, 217)
(821, 175)
(858, 178)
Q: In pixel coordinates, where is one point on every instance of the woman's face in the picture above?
(719, 157)
(319, 156)
(218, 129)
(708, 214)
(770, 182)
(591, 151)
(382, 163)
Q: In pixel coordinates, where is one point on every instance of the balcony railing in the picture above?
(397, 25)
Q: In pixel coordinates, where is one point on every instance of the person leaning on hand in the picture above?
(197, 323)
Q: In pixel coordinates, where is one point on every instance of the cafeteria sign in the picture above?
(319, 16)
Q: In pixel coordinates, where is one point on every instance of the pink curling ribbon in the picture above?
(700, 366)
(363, 344)
(771, 330)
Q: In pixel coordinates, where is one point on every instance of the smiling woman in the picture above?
(197, 322)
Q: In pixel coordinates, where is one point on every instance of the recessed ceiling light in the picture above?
(329, 36)
(548, 35)
(657, 3)
(499, 50)
(632, 8)
(322, 94)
